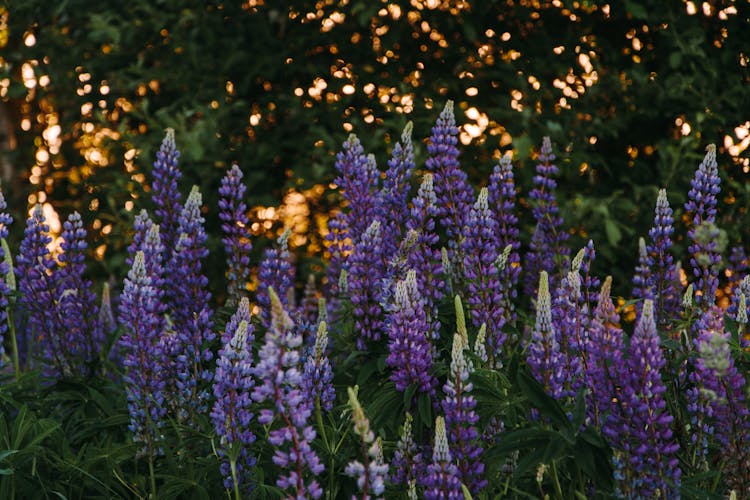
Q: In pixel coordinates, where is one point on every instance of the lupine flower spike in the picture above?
(145, 385)
(548, 250)
(394, 195)
(279, 385)
(701, 207)
(317, 381)
(409, 346)
(664, 278)
(235, 226)
(371, 473)
(545, 360)
(358, 180)
(165, 192)
(275, 272)
(407, 464)
(367, 268)
(231, 414)
(461, 420)
(441, 480)
(5, 273)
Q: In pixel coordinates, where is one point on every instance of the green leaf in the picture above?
(547, 405)
(425, 409)
(613, 232)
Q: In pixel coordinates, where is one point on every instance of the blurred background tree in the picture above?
(630, 92)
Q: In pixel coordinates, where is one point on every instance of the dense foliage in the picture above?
(415, 371)
(627, 90)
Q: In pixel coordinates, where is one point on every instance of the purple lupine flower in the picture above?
(739, 309)
(235, 224)
(165, 193)
(370, 474)
(502, 201)
(275, 272)
(703, 234)
(79, 313)
(642, 277)
(646, 460)
(317, 379)
(367, 268)
(5, 277)
(423, 255)
(571, 320)
(545, 360)
(407, 464)
(548, 251)
(605, 360)
(453, 191)
(339, 246)
(461, 420)
(441, 480)
(410, 350)
(309, 306)
(35, 267)
(279, 383)
(144, 381)
(482, 276)
(723, 389)
(358, 179)
(242, 313)
(664, 277)
(188, 296)
(394, 195)
(231, 414)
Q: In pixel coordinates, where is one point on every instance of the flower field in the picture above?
(442, 353)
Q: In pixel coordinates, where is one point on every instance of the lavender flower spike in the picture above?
(664, 276)
(359, 179)
(548, 250)
(275, 272)
(5, 274)
(461, 420)
(165, 193)
(394, 195)
(453, 191)
(370, 474)
(279, 386)
(367, 268)
(235, 224)
(545, 360)
(410, 349)
(701, 207)
(231, 412)
(317, 381)
(441, 480)
(645, 435)
(139, 311)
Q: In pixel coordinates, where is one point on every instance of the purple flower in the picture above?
(664, 278)
(605, 359)
(78, 311)
(188, 295)
(453, 191)
(394, 194)
(234, 225)
(140, 315)
(482, 276)
(339, 246)
(701, 208)
(358, 179)
(407, 464)
(371, 473)
(441, 480)
(279, 385)
(165, 193)
(642, 278)
(461, 420)
(317, 380)
(231, 414)
(35, 267)
(5, 276)
(548, 250)
(410, 351)
(367, 267)
(645, 451)
(545, 360)
(737, 265)
(275, 272)
(502, 202)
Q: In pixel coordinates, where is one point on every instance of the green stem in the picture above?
(556, 481)
(233, 466)
(14, 342)
(151, 474)
(319, 418)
